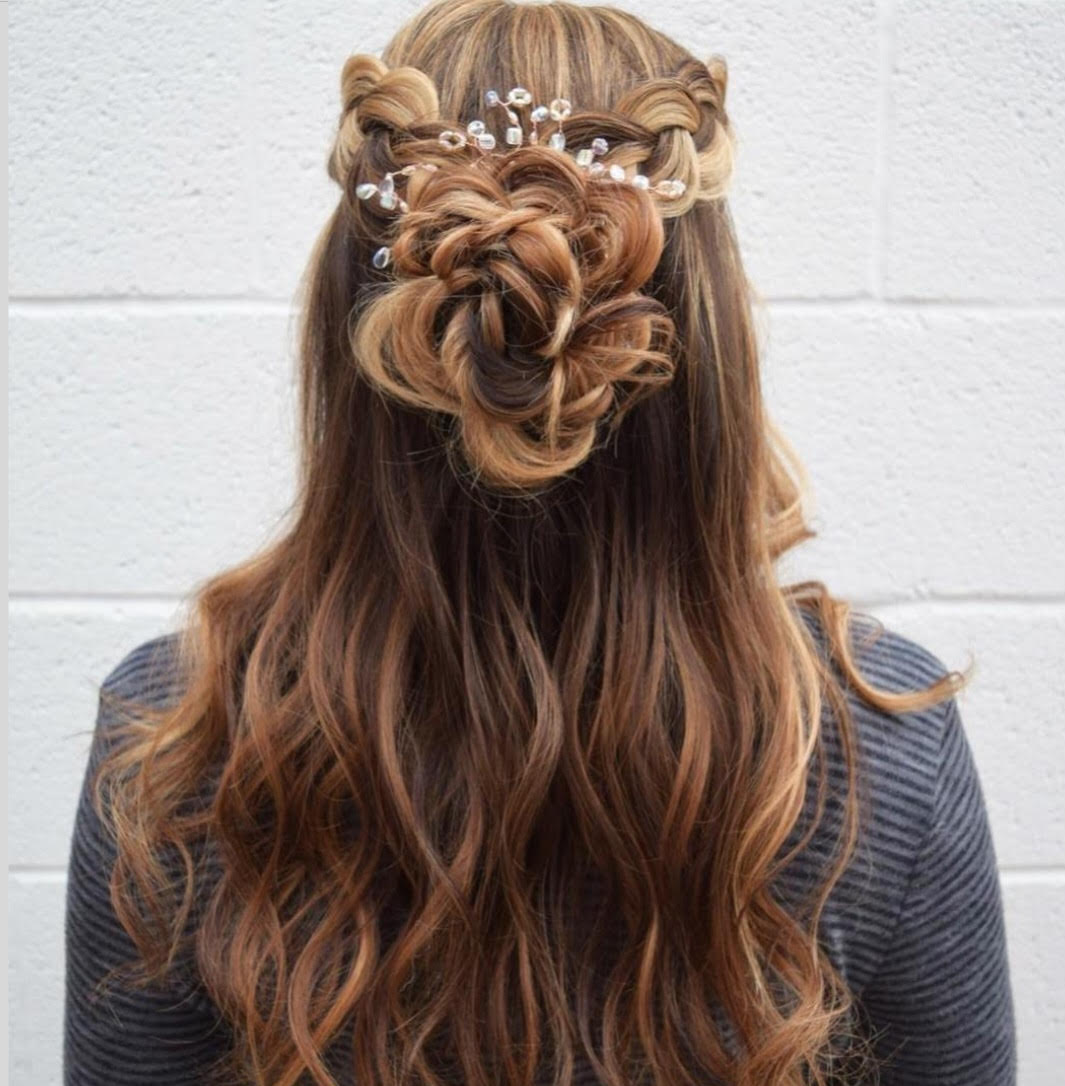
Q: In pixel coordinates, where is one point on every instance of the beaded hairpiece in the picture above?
(477, 135)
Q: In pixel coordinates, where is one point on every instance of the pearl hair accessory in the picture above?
(476, 135)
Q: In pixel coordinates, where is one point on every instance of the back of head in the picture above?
(524, 629)
(530, 300)
(521, 308)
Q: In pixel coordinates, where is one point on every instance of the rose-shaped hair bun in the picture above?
(516, 308)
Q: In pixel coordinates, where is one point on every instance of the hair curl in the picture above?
(429, 728)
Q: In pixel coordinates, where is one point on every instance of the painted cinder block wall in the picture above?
(899, 200)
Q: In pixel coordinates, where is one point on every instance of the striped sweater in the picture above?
(915, 925)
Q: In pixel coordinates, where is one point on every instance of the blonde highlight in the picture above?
(497, 660)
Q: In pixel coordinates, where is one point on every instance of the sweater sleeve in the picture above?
(940, 1004)
(121, 1036)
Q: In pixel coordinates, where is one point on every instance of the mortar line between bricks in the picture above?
(1032, 876)
(44, 601)
(870, 307)
(948, 602)
(150, 305)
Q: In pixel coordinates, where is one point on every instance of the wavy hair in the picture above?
(521, 636)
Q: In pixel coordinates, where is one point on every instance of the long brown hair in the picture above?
(523, 634)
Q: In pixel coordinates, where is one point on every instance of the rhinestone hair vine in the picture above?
(476, 134)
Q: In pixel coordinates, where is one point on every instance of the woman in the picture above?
(512, 761)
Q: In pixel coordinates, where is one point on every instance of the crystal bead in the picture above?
(387, 186)
(585, 156)
(519, 96)
(366, 190)
(616, 173)
(475, 128)
(388, 200)
(640, 181)
(453, 140)
(540, 114)
(671, 187)
(599, 146)
(514, 135)
(491, 98)
(560, 109)
(485, 140)
(557, 141)
(382, 257)
(597, 169)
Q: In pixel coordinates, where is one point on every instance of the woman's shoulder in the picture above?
(169, 1025)
(899, 752)
(148, 672)
(915, 923)
(918, 792)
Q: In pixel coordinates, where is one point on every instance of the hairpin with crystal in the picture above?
(476, 134)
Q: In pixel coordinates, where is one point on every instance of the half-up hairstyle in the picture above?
(521, 647)
(519, 313)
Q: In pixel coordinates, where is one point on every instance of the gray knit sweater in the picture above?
(915, 925)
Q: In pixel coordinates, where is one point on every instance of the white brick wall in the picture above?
(899, 199)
